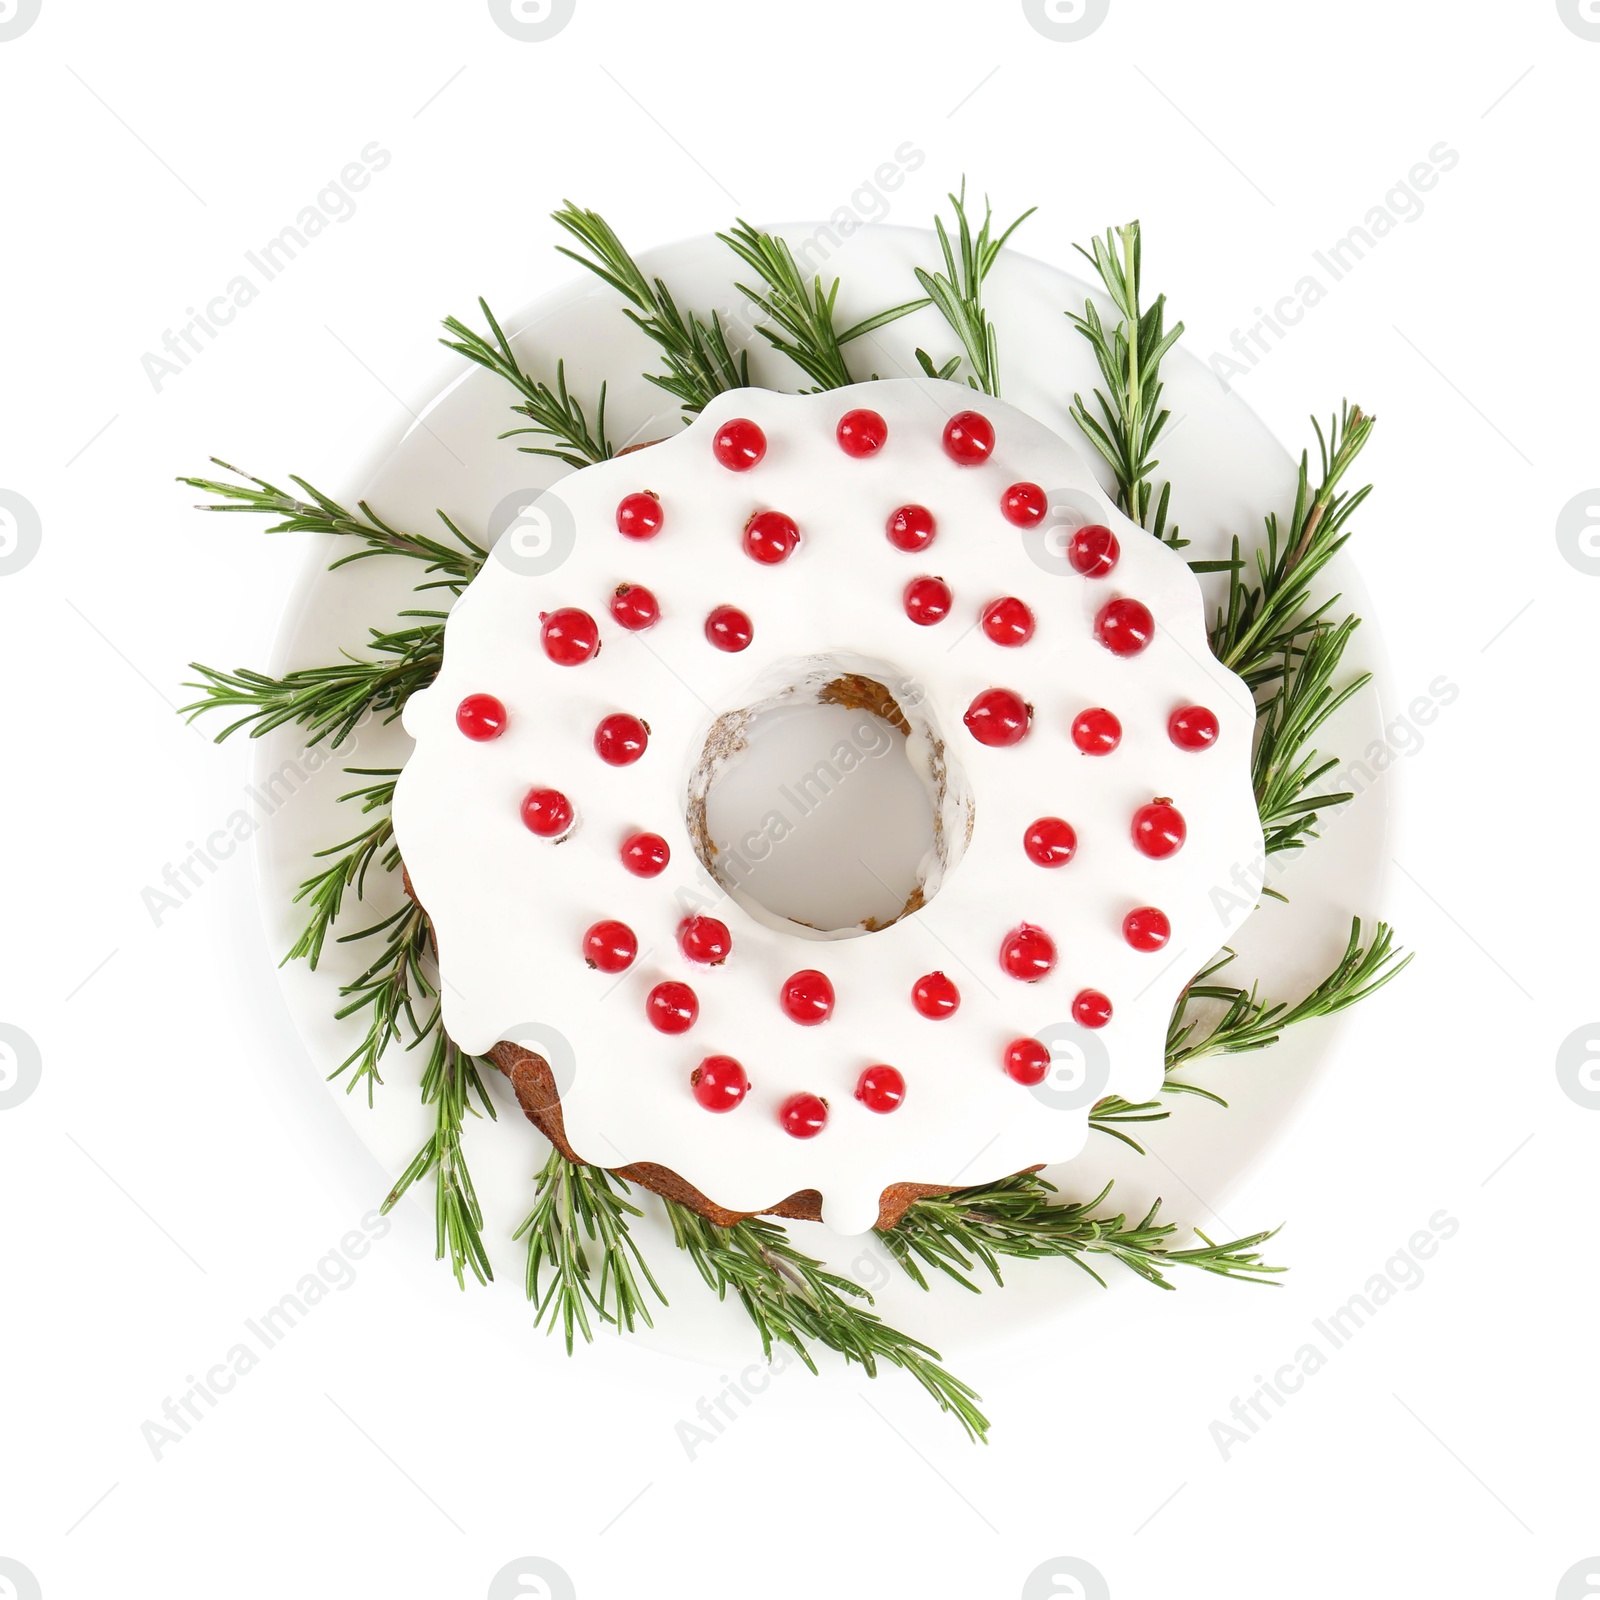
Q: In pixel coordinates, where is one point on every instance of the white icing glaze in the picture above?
(510, 909)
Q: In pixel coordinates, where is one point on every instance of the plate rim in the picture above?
(449, 370)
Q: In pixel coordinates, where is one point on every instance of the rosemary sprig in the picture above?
(324, 891)
(1241, 1021)
(1015, 1218)
(329, 702)
(1285, 647)
(457, 561)
(1286, 769)
(554, 413)
(449, 1082)
(803, 313)
(570, 1197)
(700, 363)
(389, 991)
(809, 338)
(1113, 1114)
(1248, 1022)
(1263, 620)
(1129, 356)
(792, 1298)
(958, 293)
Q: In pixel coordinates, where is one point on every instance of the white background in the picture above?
(170, 1176)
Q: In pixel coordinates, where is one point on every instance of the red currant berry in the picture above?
(481, 716)
(634, 607)
(645, 855)
(546, 812)
(998, 717)
(1091, 1009)
(739, 444)
(705, 940)
(610, 946)
(928, 600)
(1096, 732)
(619, 741)
(719, 1083)
(1028, 953)
(935, 997)
(1008, 621)
(1158, 830)
(1124, 627)
(770, 537)
(910, 528)
(969, 438)
(1050, 842)
(1193, 728)
(728, 628)
(639, 516)
(671, 1007)
(569, 636)
(803, 1115)
(1146, 928)
(1027, 1061)
(1024, 504)
(807, 998)
(862, 433)
(881, 1089)
(1093, 550)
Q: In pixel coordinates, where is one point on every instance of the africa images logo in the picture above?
(1065, 21)
(532, 21)
(16, 17)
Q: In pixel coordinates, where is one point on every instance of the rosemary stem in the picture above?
(1129, 235)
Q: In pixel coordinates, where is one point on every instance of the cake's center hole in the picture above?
(826, 809)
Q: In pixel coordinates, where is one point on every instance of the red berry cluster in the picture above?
(720, 1083)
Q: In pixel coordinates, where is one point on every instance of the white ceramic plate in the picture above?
(1228, 471)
